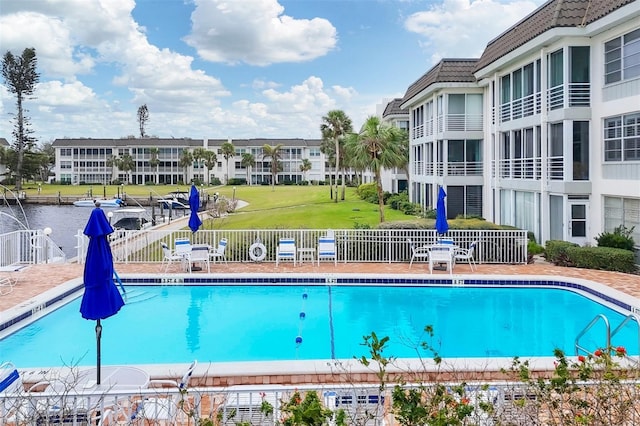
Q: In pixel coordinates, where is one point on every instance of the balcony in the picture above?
(529, 168)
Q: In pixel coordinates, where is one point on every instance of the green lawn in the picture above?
(291, 207)
(288, 207)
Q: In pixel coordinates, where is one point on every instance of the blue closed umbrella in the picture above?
(101, 298)
(194, 205)
(442, 226)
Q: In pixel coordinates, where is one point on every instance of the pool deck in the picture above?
(33, 280)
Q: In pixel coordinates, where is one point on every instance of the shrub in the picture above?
(556, 252)
(237, 181)
(619, 238)
(368, 192)
(603, 258)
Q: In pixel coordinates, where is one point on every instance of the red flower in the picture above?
(581, 358)
(598, 352)
(620, 350)
(465, 401)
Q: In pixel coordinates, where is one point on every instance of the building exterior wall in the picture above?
(81, 161)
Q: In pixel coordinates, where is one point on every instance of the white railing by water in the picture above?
(353, 245)
(26, 247)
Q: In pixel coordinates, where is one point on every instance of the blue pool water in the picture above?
(176, 324)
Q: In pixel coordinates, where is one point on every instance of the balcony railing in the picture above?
(468, 168)
(519, 168)
(353, 245)
(522, 107)
(464, 122)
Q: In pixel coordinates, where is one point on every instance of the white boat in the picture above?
(175, 200)
(130, 218)
(104, 202)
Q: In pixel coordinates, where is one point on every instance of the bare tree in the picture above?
(21, 76)
(143, 117)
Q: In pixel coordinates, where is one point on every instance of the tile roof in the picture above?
(393, 108)
(552, 14)
(3, 142)
(446, 71)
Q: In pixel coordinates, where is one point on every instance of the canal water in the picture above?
(64, 221)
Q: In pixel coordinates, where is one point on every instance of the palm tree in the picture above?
(274, 153)
(112, 161)
(186, 160)
(248, 160)
(228, 151)
(336, 124)
(378, 146)
(210, 160)
(198, 156)
(126, 164)
(305, 167)
(154, 162)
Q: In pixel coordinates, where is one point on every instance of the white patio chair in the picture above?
(466, 255)
(219, 252)
(164, 409)
(286, 250)
(168, 256)
(418, 253)
(327, 249)
(439, 254)
(6, 285)
(200, 254)
(183, 248)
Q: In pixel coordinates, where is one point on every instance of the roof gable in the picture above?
(446, 71)
(553, 14)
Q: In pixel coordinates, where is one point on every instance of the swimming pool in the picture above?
(303, 318)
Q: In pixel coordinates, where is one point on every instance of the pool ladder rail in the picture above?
(609, 334)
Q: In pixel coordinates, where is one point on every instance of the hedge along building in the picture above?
(543, 130)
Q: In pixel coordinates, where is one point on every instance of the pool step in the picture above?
(135, 296)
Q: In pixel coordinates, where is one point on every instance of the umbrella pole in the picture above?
(98, 336)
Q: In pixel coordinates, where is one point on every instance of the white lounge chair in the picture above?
(6, 285)
(327, 249)
(439, 254)
(164, 409)
(11, 386)
(417, 252)
(286, 250)
(219, 252)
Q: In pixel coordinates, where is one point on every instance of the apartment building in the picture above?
(544, 127)
(446, 137)
(88, 160)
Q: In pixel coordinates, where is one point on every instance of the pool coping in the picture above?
(36, 307)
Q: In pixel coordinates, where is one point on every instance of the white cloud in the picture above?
(462, 28)
(256, 32)
(52, 39)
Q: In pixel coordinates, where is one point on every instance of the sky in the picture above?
(222, 69)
